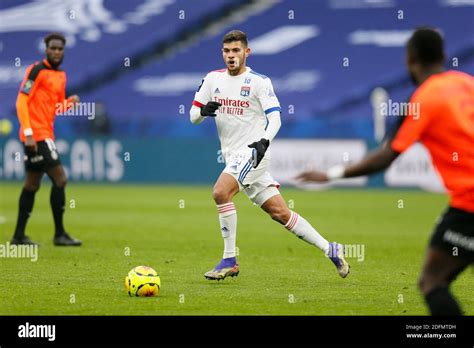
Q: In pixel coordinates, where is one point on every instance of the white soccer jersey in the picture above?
(246, 100)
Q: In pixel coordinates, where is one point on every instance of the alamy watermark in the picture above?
(355, 251)
(391, 108)
(28, 330)
(85, 109)
(23, 251)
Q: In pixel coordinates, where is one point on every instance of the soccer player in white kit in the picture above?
(247, 115)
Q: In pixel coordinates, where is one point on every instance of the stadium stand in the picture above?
(323, 72)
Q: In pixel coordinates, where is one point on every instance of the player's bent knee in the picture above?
(428, 281)
(60, 181)
(220, 195)
(31, 187)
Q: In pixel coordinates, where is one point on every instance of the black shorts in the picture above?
(44, 159)
(455, 233)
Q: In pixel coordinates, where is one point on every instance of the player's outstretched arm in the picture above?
(375, 161)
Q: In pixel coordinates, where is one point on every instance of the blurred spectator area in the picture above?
(141, 61)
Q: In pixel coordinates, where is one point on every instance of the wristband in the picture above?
(336, 172)
(28, 132)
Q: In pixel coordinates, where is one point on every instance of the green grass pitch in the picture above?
(175, 230)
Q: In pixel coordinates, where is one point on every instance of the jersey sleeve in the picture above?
(423, 108)
(267, 97)
(203, 94)
(31, 80)
(28, 87)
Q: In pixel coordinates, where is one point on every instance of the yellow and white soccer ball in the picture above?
(143, 281)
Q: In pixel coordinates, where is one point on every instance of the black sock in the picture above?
(57, 200)
(441, 302)
(27, 199)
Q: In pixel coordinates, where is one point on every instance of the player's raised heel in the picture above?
(226, 268)
(336, 255)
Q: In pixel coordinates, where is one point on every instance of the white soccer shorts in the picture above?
(257, 183)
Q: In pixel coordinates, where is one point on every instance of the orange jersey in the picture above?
(45, 88)
(445, 126)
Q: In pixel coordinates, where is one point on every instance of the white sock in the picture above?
(228, 221)
(303, 229)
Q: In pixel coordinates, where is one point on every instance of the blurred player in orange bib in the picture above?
(42, 94)
(445, 126)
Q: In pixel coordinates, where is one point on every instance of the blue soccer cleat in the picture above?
(225, 268)
(336, 255)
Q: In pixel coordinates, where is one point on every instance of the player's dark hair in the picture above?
(426, 46)
(54, 36)
(235, 35)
